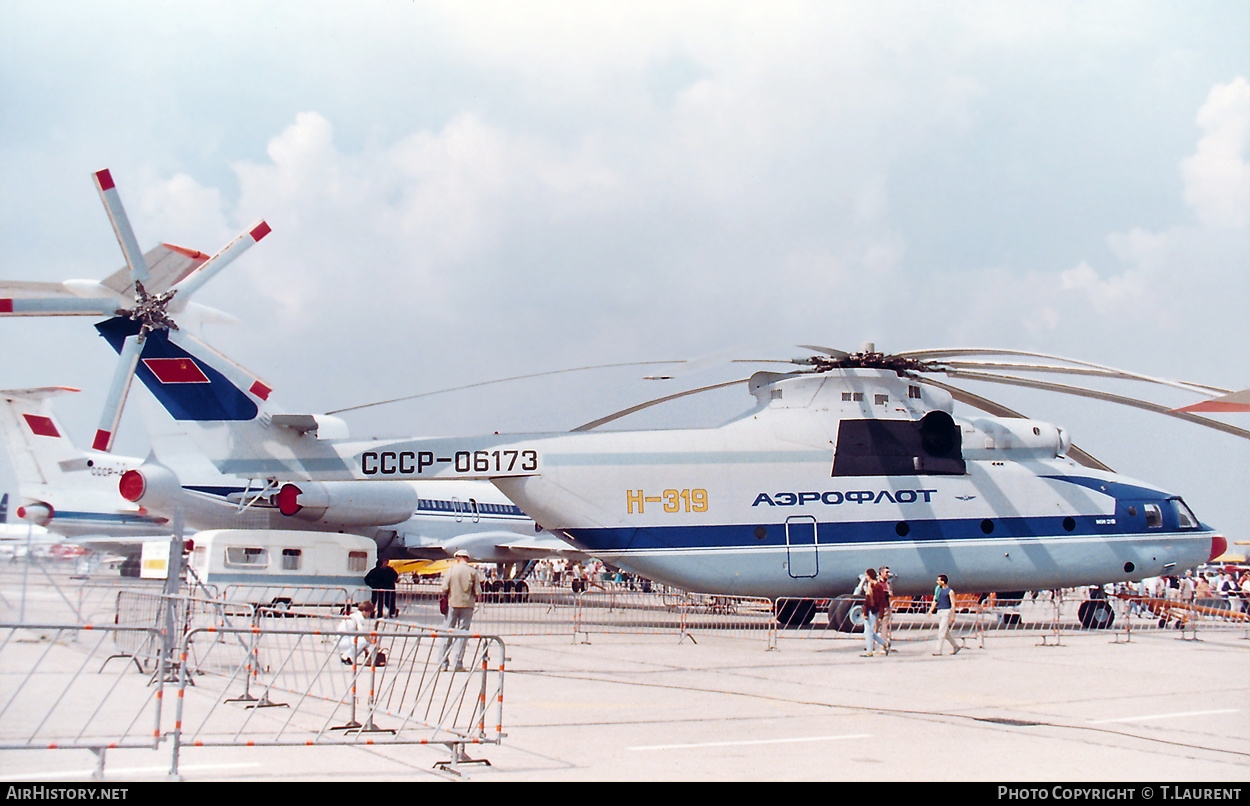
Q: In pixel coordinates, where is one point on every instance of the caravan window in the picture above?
(357, 562)
(290, 559)
(248, 556)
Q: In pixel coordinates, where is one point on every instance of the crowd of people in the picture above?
(1219, 587)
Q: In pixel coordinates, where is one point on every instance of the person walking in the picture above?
(887, 583)
(875, 604)
(463, 586)
(944, 605)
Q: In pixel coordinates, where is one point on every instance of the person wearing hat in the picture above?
(462, 585)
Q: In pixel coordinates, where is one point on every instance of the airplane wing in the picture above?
(494, 547)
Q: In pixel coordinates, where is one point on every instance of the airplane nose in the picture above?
(1218, 546)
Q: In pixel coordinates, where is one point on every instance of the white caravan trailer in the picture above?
(273, 567)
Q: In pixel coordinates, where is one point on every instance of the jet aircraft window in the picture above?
(247, 556)
(1154, 516)
(290, 559)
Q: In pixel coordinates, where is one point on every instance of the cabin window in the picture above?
(357, 562)
(248, 556)
(881, 400)
(291, 559)
(1184, 515)
(1154, 516)
(913, 392)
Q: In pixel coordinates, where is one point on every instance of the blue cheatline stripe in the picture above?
(104, 517)
(742, 536)
(1116, 489)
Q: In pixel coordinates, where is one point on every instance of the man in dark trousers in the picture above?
(381, 580)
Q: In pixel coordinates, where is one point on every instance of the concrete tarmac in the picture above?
(647, 708)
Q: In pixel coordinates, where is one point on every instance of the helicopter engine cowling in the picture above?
(347, 503)
(994, 437)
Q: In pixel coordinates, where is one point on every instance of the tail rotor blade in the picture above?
(118, 391)
(222, 259)
(121, 225)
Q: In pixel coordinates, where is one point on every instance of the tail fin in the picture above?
(38, 449)
(203, 389)
(190, 380)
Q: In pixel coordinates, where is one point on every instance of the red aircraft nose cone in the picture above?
(1218, 546)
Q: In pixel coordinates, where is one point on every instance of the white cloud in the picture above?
(1217, 175)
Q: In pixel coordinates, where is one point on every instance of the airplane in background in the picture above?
(67, 494)
(114, 503)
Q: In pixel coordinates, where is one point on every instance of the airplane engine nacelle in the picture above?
(347, 503)
(37, 513)
(1016, 437)
(151, 486)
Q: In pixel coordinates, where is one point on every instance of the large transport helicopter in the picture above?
(829, 473)
(849, 461)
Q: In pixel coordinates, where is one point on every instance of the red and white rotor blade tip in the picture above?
(118, 391)
(57, 306)
(121, 225)
(225, 257)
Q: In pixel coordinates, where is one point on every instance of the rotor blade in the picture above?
(1104, 396)
(1088, 368)
(57, 306)
(826, 350)
(121, 225)
(632, 409)
(999, 410)
(234, 372)
(118, 391)
(499, 380)
(1232, 402)
(222, 259)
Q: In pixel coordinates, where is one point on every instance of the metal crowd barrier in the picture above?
(299, 685)
(610, 608)
(269, 684)
(56, 690)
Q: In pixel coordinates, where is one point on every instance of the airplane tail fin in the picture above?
(38, 449)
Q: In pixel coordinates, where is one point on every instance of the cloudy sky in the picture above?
(471, 190)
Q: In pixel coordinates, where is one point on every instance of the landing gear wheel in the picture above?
(846, 614)
(1095, 615)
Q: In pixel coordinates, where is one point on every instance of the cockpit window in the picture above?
(1154, 516)
(1184, 515)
